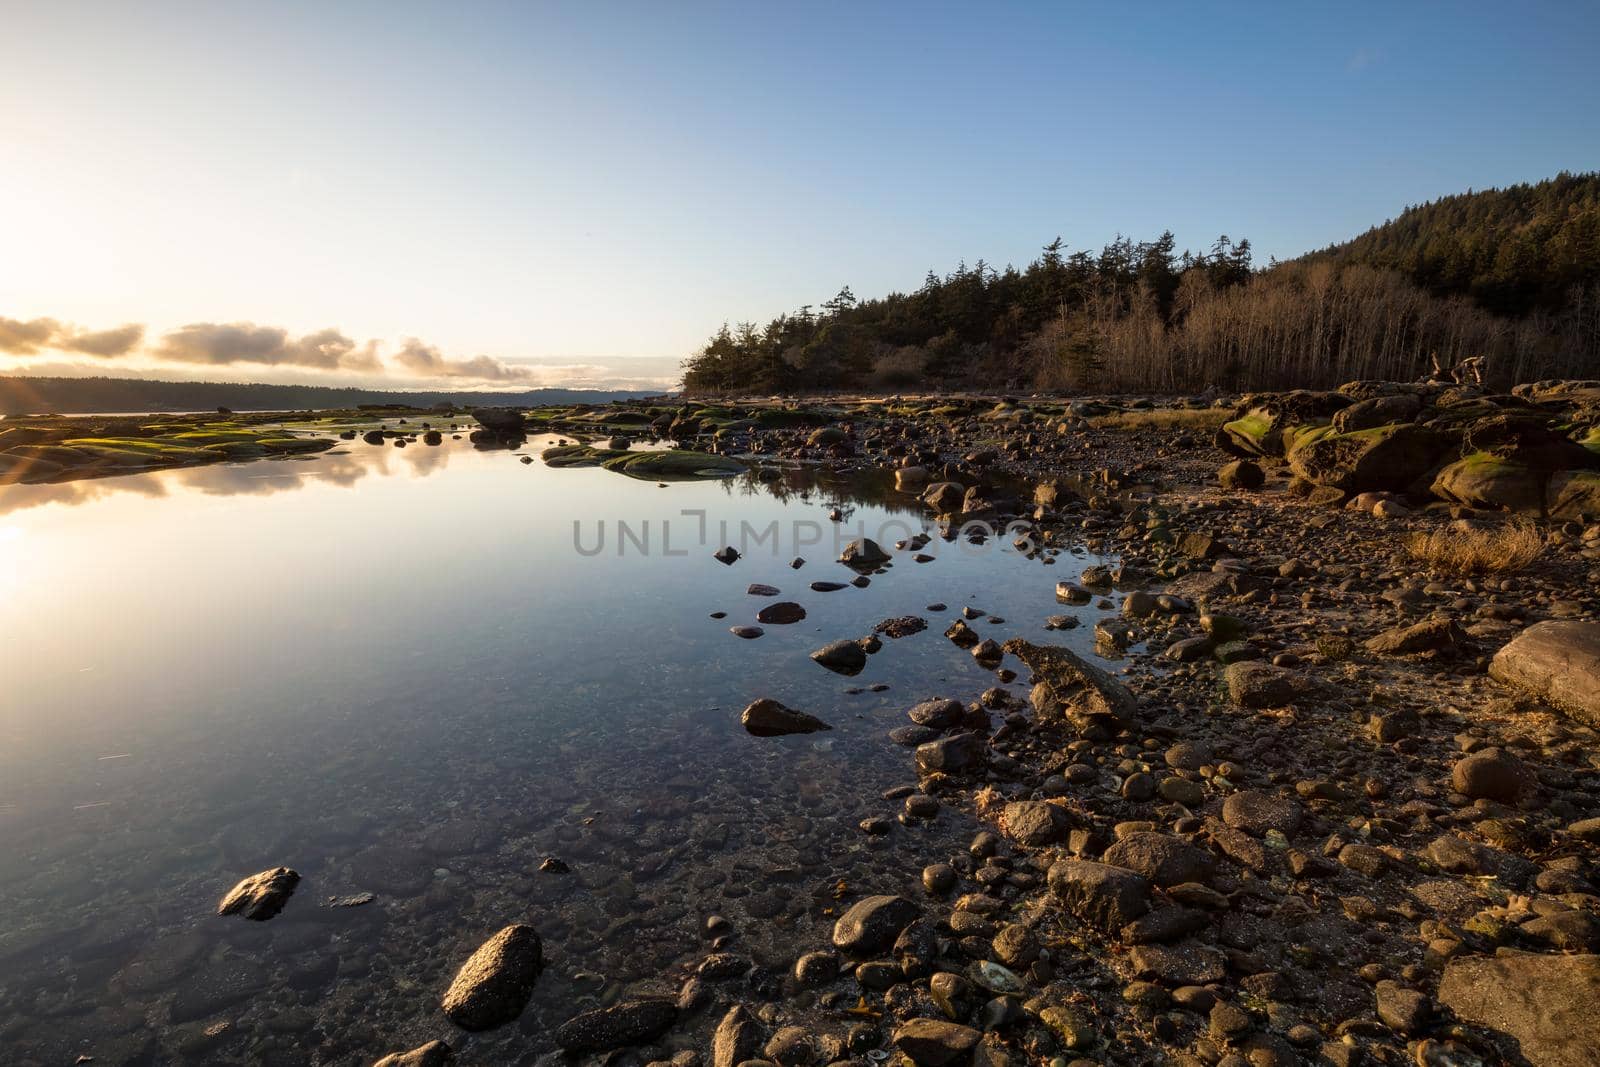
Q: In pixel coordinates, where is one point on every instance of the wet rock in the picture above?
(260, 896)
(960, 752)
(1557, 661)
(1491, 774)
(841, 657)
(940, 714)
(901, 626)
(782, 613)
(726, 555)
(935, 1042)
(631, 1022)
(497, 980)
(1104, 896)
(828, 587)
(749, 633)
(1067, 687)
(872, 924)
(433, 1054)
(760, 589)
(1545, 1003)
(816, 968)
(863, 553)
(768, 718)
(939, 878)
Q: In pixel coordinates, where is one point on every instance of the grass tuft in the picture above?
(1163, 419)
(1476, 550)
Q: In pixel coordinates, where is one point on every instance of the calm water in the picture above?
(403, 672)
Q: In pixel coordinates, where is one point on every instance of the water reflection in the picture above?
(420, 690)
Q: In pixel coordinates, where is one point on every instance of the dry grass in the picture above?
(1163, 419)
(1477, 550)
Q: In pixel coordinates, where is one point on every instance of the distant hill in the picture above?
(20, 395)
(1512, 250)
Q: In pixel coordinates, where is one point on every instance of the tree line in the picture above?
(1442, 283)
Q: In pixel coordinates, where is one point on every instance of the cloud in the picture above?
(245, 342)
(426, 360)
(26, 338)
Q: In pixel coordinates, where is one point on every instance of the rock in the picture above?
(1489, 482)
(909, 477)
(433, 1054)
(1163, 859)
(1104, 896)
(761, 589)
(959, 752)
(841, 657)
(1071, 1026)
(1377, 411)
(749, 633)
(1255, 812)
(1253, 684)
(260, 896)
(500, 420)
(864, 554)
(726, 555)
(1241, 474)
(816, 968)
(1437, 636)
(631, 1022)
(1067, 687)
(1574, 496)
(934, 1042)
(1035, 822)
(938, 878)
(768, 718)
(1403, 1010)
(1386, 457)
(828, 587)
(944, 497)
(1545, 1003)
(939, 713)
(1186, 963)
(495, 983)
(791, 1046)
(1557, 661)
(901, 626)
(872, 924)
(738, 1038)
(1491, 775)
(781, 613)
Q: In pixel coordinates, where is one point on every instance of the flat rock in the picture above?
(1557, 661)
(1104, 896)
(1187, 963)
(1162, 858)
(1253, 684)
(1035, 822)
(935, 1042)
(433, 1054)
(1068, 687)
(1545, 1003)
(1256, 812)
(497, 980)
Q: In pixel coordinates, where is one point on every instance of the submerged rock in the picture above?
(842, 657)
(768, 718)
(631, 1022)
(433, 1054)
(260, 896)
(496, 982)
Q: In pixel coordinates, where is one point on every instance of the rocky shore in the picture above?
(1328, 794)
(1338, 805)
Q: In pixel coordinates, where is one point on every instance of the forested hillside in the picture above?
(1509, 275)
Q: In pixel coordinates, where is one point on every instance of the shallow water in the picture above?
(406, 672)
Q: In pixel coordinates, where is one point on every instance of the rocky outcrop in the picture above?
(1067, 687)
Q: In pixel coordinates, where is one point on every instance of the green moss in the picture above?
(673, 465)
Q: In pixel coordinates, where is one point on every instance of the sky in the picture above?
(548, 193)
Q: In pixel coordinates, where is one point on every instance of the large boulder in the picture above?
(1558, 661)
(935, 1042)
(1377, 411)
(495, 983)
(1485, 481)
(1253, 684)
(503, 421)
(1385, 457)
(1574, 496)
(1544, 1003)
(1262, 425)
(872, 924)
(1162, 858)
(1068, 687)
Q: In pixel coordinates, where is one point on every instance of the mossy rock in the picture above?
(562, 456)
(1248, 436)
(790, 418)
(673, 465)
(1574, 496)
(1382, 458)
(1486, 481)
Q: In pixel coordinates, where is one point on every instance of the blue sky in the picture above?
(565, 185)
